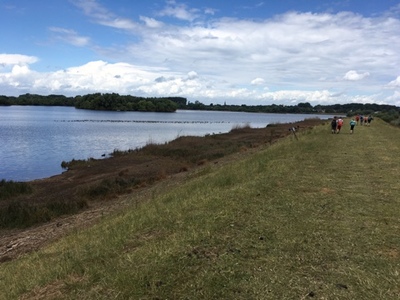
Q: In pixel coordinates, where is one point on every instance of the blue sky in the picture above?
(240, 52)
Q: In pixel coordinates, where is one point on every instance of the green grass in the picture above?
(316, 217)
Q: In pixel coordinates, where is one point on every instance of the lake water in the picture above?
(34, 140)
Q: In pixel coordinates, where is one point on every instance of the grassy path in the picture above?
(314, 218)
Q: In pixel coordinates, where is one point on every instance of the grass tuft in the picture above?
(238, 127)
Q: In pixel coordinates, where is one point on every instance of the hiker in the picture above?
(333, 125)
(357, 118)
(352, 124)
(370, 118)
(339, 125)
(361, 119)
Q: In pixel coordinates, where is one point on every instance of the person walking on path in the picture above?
(352, 124)
(333, 125)
(369, 120)
(339, 125)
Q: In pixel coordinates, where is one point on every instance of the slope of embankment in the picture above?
(313, 217)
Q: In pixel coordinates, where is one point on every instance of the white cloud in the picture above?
(192, 75)
(395, 83)
(179, 11)
(209, 11)
(354, 75)
(150, 22)
(70, 36)
(257, 81)
(395, 98)
(302, 57)
(20, 71)
(16, 59)
(103, 16)
(119, 23)
(92, 8)
(296, 96)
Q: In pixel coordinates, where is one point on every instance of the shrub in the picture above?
(389, 116)
(9, 189)
(77, 163)
(395, 122)
(109, 187)
(62, 207)
(240, 126)
(20, 214)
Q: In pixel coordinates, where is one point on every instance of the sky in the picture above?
(251, 52)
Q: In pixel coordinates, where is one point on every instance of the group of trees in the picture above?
(38, 100)
(273, 108)
(98, 101)
(116, 102)
(305, 108)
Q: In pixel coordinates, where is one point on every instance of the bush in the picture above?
(20, 214)
(389, 116)
(9, 189)
(395, 122)
(75, 163)
(108, 187)
(17, 214)
(60, 207)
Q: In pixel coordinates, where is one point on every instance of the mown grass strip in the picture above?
(313, 217)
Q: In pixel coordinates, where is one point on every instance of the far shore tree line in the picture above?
(116, 102)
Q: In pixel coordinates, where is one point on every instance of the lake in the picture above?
(36, 139)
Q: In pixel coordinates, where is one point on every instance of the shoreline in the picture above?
(43, 153)
(140, 173)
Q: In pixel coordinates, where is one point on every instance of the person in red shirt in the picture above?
(339, 125)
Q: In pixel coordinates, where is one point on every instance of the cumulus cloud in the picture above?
(192, 75)
(19, 71)
(303, 57)
(296, 96)
(257, 81)
(395, 98)
(395, 83)
(16, 59)
(354, 75)
(95, 76)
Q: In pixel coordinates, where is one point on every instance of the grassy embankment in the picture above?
(315, 218)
